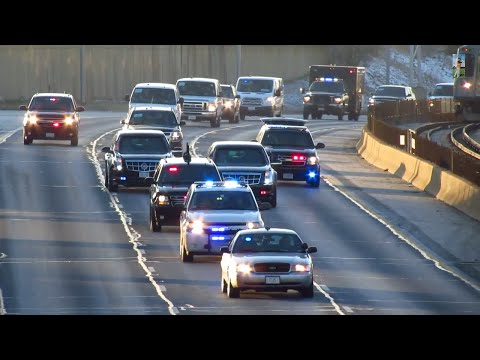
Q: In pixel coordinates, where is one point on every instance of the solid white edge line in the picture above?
(8, 134)
(332, 300)
(2, 304)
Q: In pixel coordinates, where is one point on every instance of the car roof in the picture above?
(194, 161)
(156, 85)
(198, 79)
(260, 77)
(153, 108)
(54, 94)
(140, 132)
(221, 186)
(285, 127)
(227, 143)
(267, 231)
(284, 121)
(398, 86)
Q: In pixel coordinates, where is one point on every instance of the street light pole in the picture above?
(239, 60)
(82, 74)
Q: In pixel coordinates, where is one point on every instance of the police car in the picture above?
(291, 148)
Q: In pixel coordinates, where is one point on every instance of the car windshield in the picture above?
(227, 92)
(325, 86)
(187, 174)
(51, 103)
(153, 117)
(255, 85)
(390, 91)
(238, 156)
(278, 138)
(196, 88)
(223, 200)
(153, 96)
(443, 90)
(268, 242)
(142, 144)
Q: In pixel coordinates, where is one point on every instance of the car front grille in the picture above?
(271, 267)
(192, 106)
(321, 99)
(287, 159)
(251, 101)
(245, 177)
(177, 200)
(141, 165)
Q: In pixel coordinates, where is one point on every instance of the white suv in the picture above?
(214, 212)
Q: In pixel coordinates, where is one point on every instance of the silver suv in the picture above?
(214, 212)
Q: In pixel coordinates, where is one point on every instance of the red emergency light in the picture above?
(173, 169)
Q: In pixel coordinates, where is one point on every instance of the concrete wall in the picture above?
(111, 71)
(422, 174)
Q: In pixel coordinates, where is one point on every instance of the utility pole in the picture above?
(387, 66)
(414, 49)
(239, 61)
(82, 74)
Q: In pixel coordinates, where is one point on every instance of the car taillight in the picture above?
(299, 157)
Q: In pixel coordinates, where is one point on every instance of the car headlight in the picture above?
(312, 160)
(338, 100)
(254, 224)
(244, 268)
(371, 101)
(301, 268)
(212, 107)
(162, 200)
(175, 135)
(270, 100)
(306, 99)
(119, 164)
(228, 104)
(32, 119)
(69, 120)
(196, 227)
(268, 177)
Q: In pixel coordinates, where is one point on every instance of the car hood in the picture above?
(271, 257)
(145, 156)
(226, 216)
(173, 107)
(165, 129)
(198, 98)
(323, 93)
(290, 149)
(386, 98)
(247, 169)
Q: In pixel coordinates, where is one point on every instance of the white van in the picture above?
(156, 94)
(260, 95)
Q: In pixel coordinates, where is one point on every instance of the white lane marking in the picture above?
(2, 304)
(4, 138)
(120, 206)
(163, 288)
(141, 251)
(348, 309)
(399, 236)
(151, 268)
(325, 287)
(131, 233)
(332, 301)
(190, 306)
(194, 141)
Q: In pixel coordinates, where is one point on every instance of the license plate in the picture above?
(321, 108)
(251, 108)
(272, 280)
(191, 117)
(143, 174)
(50, 135)
(288, 176)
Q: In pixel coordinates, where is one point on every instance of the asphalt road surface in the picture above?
(68, 246)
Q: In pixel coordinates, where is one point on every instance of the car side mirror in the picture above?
(127, 97)
(220, 94)
(122, 121)
(183, 123)
(304, 246)
(278, 92)
(149, 181)
(225, 250)
(237, 96)
(80, 108)
(320, 146)
(180, 101)
(311, 249)
(107, 150)
(302, 90)
(22, 107)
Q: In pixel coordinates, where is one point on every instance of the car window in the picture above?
(153, 117)
(330, 87)
(273, 242)
(187, 174)
(443, 90)
(196, 88)
(227, 92)
(240, 156)
(277, 138)
(138, 144)
(255, 85)
(154, 96)
(223, 200)
(51, 103)
(391, 91)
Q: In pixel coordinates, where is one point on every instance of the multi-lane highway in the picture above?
(68, 246)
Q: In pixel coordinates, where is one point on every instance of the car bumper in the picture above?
(257, 110)
(130, 178)
(167, 215)
(198, 116)
(206, 244)
(296, 173)
(263, 193)
(46, 133)
(257, 281)
(329, 109)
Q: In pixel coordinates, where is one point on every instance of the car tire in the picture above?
(223, 286)
(183, 254)
(242, 116)
(305, 115)
(110, 185)
(74, 140)
(154, 227)
(307, 292)
(319, 115)
(237, 118)
(27, 140)
(106, 177)
(232, 292)
(273, 200)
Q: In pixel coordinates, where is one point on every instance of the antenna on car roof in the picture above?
(186, 155)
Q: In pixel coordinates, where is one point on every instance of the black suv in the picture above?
(231, 103)
(156, 118)
(170, 185)
(325, 96)
(133, 157)
(246, 162)
(51, 116)
(292, 151)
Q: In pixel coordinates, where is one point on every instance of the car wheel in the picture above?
(232, 292)
(273, 200)
(154, 227)
(350, 116)
(319, 115)
(223, 286)
(307, 292)
(74, 141)
(237, 117)
(340, 116)
(27, 140)
(242, 116)
(305, 115)
(106, 177)
(110, 185)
